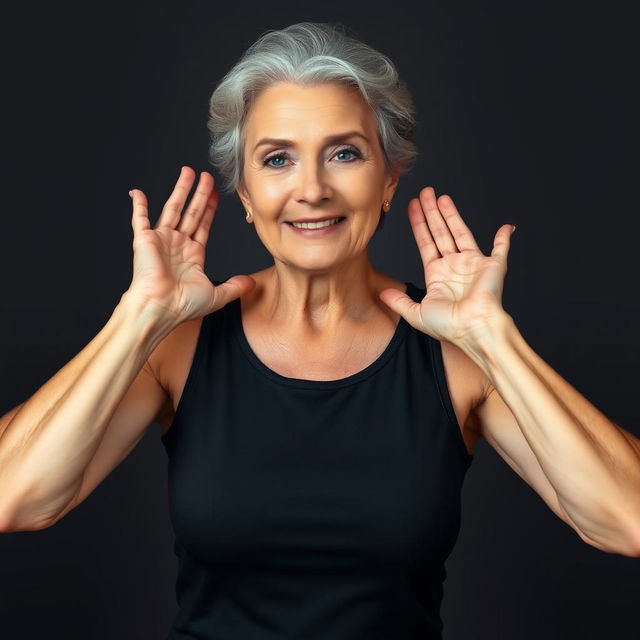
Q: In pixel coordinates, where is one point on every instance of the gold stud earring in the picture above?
(386, 205)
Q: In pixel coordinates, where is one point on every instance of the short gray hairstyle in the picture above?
(309, 53)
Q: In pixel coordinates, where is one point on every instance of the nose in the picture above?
(313, 186)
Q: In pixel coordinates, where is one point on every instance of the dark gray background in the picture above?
(527, 115)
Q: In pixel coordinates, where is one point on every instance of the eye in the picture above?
(283, 154)
(277, 156)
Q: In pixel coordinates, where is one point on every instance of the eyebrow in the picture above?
(282, 142)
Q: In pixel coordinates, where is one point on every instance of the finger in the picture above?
(437, 225)
(461, 233)
(202, 232)
(140, 216)
(233, 288)
(502, 242)
(172, 210)
(191, 217)
(424, 239)
(403, 305)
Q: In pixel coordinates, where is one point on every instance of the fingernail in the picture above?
(131, 194)
(513, 228)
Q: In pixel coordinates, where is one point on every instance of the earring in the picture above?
(248, 216)
(386, 205)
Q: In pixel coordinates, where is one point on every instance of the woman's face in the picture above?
(312, 177)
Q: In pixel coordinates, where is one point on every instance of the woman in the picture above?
(318, 415)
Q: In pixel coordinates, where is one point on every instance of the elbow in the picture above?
(4, 523)
(8, 524)
(625, 545)
(627, 550)
(634, 546)
(628, 547)
(632, 537)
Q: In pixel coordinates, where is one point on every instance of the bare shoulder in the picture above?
(467, 383)
(468, 386)
(171, 361)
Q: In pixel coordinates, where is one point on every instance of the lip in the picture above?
(314, 219)
(316, 233)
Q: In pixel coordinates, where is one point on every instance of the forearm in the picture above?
(51, 439)
(592, 464)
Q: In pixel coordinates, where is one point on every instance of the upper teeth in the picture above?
(315, 225)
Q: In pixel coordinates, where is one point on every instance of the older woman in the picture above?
(320, 423)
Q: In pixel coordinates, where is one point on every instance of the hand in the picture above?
(168, 261)
(463, 286)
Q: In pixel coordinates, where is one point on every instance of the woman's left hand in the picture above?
(463, 286)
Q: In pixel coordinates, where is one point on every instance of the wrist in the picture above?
(486, 339)
(150, 321)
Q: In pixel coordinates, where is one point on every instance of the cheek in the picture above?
(359, 188)
(269, 205)
(271, 191)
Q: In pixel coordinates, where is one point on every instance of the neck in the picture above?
(313, 303)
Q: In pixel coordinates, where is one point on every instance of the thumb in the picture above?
(233, 288)
(402, 304)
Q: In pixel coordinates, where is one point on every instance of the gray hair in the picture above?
(310, 53)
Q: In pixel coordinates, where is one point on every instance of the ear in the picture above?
(392, 184)
(241, 190)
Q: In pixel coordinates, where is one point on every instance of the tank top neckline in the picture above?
(302, 383)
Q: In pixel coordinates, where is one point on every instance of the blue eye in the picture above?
(282, 155)
(348, 151)
(279, 156)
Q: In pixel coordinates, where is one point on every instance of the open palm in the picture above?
(463, 286)
(168, 261)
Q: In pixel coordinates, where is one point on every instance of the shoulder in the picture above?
(466, 369)
(468, 387)
(171, 360)
(174, 350)
(466, 380)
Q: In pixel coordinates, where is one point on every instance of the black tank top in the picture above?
(313, 510)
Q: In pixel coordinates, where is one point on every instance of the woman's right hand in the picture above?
(168, 260)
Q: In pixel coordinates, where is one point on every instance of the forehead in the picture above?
(285, 109)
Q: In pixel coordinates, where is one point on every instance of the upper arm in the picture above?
(144, 402)
(8, 417)
(493, 420)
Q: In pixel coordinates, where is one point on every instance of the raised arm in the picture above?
(47, 443)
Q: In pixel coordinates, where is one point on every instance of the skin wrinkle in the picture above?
(318, 286)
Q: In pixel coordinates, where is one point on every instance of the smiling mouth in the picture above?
(317, 225)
